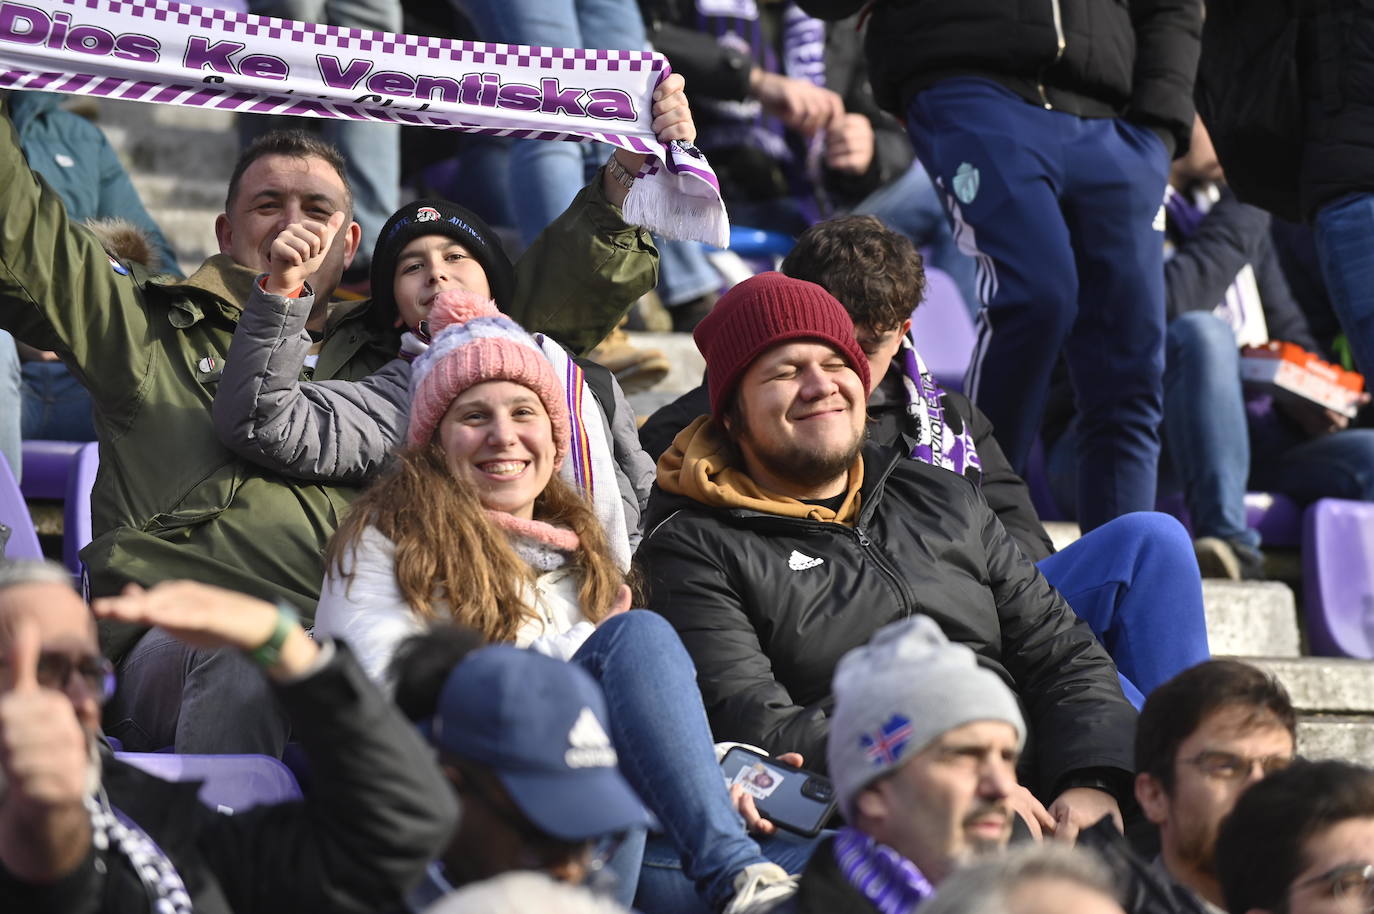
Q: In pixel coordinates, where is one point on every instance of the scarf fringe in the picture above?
(665, 206)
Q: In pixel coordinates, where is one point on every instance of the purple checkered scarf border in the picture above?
(170, 53)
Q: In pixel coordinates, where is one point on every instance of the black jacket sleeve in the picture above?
(1006, 493)
(378, 810)
(1205, 264)
(1168, 38)
(1077, 715)
(656, 434)
(831, 9)
(690, 583)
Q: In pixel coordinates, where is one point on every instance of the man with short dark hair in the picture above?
(1301, 842)
(778, 541)
(170, 500)
(1203, 738)
(82, 831)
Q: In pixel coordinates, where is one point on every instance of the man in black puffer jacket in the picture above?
(777, 542)
(1048, 127)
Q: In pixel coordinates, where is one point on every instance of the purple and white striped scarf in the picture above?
(887, 879)
(172, 53)
(936, 443)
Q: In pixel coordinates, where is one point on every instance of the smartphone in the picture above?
(791, 798)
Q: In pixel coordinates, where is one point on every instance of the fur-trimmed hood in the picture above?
(125, 241)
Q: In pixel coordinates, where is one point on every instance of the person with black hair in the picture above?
(1204, 737)
(1301, 842)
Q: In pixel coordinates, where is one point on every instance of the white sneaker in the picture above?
(761, 887)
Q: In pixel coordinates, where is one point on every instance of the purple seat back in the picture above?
(230, 783)
(943, 330)
(1276, 516)
(47, 464)
(76, 521)
(14, 513)
(1338, 577)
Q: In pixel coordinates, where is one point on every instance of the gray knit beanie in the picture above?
(898, 693)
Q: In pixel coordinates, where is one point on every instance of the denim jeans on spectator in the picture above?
(663, 888)
(684, 272)
(911, 205)
(1134, 580)
(372, 152)
(56, 406)
(1336, 465)
(195, 700)
(1205, 431)
(1345, 245)
(11, 414)
(666, 753)
(545, 176)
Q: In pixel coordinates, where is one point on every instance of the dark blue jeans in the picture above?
(666, 752)
(1061, 211)
(1345, 245)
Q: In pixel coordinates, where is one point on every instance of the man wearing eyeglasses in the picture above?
(1301, 842)
(1203, 738)
(82, 832)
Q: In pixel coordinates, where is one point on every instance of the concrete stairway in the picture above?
(181, 158)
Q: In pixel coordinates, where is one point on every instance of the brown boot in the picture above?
(635, 369)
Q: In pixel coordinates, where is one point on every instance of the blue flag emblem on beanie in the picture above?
(885, 746)
(966, 183)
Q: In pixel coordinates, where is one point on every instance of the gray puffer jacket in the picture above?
(267, 409)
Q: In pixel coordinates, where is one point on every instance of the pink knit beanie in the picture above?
(758, 314)
(473, 343)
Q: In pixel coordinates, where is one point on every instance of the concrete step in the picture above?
(1251, 619)
(1324, 685)
(1337, 736)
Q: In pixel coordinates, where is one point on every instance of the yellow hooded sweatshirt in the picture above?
(698, 465)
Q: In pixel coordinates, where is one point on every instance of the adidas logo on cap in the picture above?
(591, 747)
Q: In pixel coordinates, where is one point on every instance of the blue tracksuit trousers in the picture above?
(1063, 215)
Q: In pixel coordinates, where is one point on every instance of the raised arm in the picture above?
(378, 810)
(59, 290)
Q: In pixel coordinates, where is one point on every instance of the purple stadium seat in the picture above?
(76, 520)
(1276, 516)
(230, 783)
(1338, 578)
(14, 513)
(46, 467)
(943, 330)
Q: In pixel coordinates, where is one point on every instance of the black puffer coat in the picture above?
(1093, 58)
(766, 606)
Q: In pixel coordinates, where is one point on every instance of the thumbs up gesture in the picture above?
(297, 253)
(44, 754)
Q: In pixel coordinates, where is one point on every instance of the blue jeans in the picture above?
(1060, 209)
(684, 272)
(545, 175)
(664, 741)
(910, 205)
(1135, 582)
(664, 890)
(56, 406)
(371, 152)
(11, 413)
(1345, 246)
(1206, 432)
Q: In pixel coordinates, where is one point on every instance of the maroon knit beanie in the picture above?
(762, 312)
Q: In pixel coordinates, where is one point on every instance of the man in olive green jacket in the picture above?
(169, 500)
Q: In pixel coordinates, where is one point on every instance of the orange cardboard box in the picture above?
(1290, 370)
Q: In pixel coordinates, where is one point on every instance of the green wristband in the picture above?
(268, 653)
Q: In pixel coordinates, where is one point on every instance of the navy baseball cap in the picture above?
(540, 725)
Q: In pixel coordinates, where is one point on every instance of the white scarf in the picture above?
(171, 53)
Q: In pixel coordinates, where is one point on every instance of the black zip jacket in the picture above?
(767, 605)
(1092, 58)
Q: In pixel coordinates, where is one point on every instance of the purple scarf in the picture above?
(936, 443)
(887, 879)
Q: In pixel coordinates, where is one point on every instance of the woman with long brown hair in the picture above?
(474, 525)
